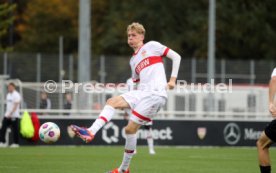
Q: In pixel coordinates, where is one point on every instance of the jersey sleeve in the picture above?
(159, 49)
(130, 84)
(273, 73)
(17, 98)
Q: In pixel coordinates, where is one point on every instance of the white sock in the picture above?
(131, 142)
(150, 140)
(105, 116)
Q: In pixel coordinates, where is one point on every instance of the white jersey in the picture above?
(12, 99)
(148, 69)
(273, 73)
(130, 85)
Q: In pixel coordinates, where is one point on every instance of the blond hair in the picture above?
(139, 28)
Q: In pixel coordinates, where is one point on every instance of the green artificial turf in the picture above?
(64, 159)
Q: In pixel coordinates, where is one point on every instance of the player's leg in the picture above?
(117, 102)
(127, 114)
(143, 111)
(142, 114)
(150, 141)
(150, 107)
(15, 129)
(263, 145)
(5, 124)
(130, 145)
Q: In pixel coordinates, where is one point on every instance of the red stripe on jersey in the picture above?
(135, 80)
(148, 62)
(166, 52)
(141, 116)
(103, 118)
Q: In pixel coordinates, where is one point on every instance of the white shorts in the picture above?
(129, 113)
(144, 105)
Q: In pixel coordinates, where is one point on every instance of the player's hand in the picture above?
(9, 116)
(171, 83)
(272, 110)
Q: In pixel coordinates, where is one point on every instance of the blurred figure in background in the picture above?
(11, 117)
(68, 102)
(45, 102)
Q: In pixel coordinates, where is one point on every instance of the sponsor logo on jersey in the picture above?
(144, 63)
(147, 62)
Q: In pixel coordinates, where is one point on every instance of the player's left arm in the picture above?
(272, 93)
(176, 58)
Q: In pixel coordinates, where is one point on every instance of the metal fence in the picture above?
(237, 102)
(192, 102)
(42, 67)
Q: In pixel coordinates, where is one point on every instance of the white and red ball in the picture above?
(49, 132)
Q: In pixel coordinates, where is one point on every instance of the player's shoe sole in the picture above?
(116, 171)
(82, 133)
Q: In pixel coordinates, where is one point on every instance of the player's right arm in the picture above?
(164, 51)
(175, 57)
(272, 93)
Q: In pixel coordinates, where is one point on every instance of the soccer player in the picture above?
(147, 69)
(269, 135)
(148, 126)
(11, 117)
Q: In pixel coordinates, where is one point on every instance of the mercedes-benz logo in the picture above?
(232, 133)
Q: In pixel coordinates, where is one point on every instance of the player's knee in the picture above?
(262, 144)
(111, 102)
(114, 102)
(130, 130)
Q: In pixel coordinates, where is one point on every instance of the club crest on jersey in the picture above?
(144, 53)
(201, 132)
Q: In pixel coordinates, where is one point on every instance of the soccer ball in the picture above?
(49, 132)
